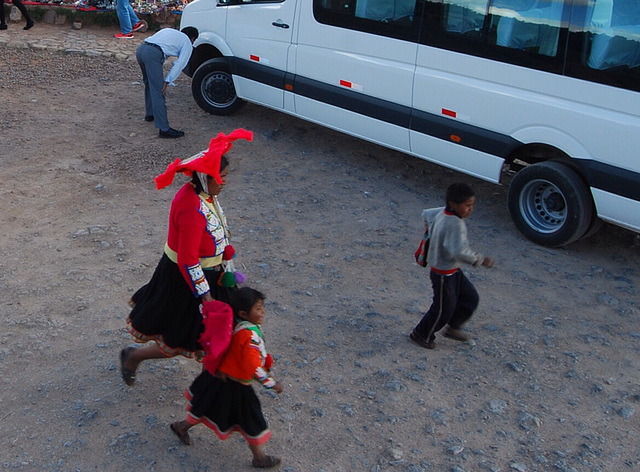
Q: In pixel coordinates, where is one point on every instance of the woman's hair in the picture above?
(458, 193)
(224, 162)
(243, 299)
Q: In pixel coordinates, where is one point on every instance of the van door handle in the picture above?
(280, 24)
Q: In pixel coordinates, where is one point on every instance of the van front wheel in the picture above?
(213, 90)
(550, 204)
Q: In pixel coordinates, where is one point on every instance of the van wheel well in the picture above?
(530, 154)
(199, 56)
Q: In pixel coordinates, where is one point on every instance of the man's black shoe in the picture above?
(148, 118)
(171, 133)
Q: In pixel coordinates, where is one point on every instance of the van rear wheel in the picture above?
(213, 90)
(550, 204)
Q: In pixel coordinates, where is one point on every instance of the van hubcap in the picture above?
(218, 89)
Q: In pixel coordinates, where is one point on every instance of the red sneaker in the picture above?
(123, 35)
(138, 26)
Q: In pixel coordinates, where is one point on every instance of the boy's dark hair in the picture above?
(243, 299)
(459, 192)
(191, 32)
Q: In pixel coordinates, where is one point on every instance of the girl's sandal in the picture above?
(184, 438)
(269, 461)
(128, 375)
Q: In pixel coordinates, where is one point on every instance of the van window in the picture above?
(534, 27)
(392, 18)
(604, 45)
(614, 34)
(523, 32)
(531, 26)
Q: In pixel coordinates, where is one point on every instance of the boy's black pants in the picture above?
(454, 301)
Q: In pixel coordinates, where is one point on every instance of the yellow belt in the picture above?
(205, 262)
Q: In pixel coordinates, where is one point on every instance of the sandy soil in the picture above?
(326, 225)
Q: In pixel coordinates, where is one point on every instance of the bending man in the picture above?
(151, 55)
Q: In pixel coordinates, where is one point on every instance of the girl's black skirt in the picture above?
(166, 311)
(226, 406)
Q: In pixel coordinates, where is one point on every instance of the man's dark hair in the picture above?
(243, 299)
(459, 192)
(191, 32)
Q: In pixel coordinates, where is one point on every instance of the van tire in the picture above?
(213, 90)
(550, 204)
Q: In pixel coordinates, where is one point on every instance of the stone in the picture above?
(15, 14)
(59, 20)
(395, 453)
(49, 17)
(626, 412)
(497, 406)
(76, 25)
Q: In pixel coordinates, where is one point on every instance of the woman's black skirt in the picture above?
(166, 311)
(226, 406)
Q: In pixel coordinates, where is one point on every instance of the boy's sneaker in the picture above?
(416, 338)
(138, 26)
(123, 35)
(3, 26)
(455, 334)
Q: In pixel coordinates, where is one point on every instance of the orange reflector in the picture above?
(289, 87)
(455, 138)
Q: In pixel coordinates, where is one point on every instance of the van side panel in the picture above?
(336, 67)
(619, 210)
(259, 34)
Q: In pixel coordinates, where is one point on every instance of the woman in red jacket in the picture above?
(196, 254)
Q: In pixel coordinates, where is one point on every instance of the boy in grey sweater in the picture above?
(454, 296)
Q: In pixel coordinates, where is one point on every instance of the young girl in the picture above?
(223, 399)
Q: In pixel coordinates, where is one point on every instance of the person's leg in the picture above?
(133, 18)
(123, 16)
(135, 355)
(3, 21)
(153, 60)
(467, 302)
(24, 12)
(155, 75)
(441, 308)
(148, 106)
(131, 357)
(261, 460)
(181, 429)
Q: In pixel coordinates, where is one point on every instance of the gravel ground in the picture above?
(326, 226)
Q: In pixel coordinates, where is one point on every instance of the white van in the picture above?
(546, 88)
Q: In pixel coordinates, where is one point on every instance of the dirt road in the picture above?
(326, 226)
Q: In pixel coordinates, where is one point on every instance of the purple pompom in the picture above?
(240, 278)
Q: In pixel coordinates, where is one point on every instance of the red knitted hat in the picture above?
(207, 162)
